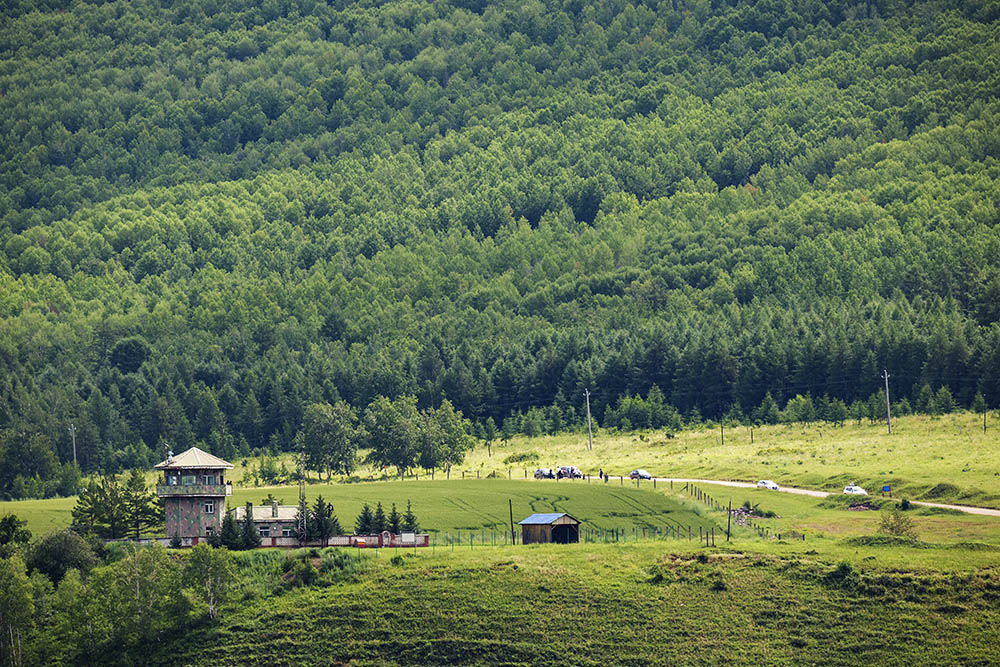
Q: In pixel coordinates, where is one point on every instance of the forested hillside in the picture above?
(216, 213)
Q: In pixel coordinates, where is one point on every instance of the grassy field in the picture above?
(450, 507)
(946, 459)
(631, 604)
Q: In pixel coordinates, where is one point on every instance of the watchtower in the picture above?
(194, 493)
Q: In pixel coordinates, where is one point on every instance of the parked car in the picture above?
(767, 484)
(639, 474)
(853, 490)
(544, 473)
(570, 472)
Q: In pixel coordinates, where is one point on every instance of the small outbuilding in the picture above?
(560, 528)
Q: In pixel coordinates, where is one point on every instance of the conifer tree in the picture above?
(250, 537)
(394, 520)
(323, 522)
(141, 506)
(410, 524)
(378, 521)
(230, 533)
(363, 526)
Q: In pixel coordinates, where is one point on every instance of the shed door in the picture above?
(565, 534)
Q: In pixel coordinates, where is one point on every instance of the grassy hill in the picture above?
(620, 604)
(945, 459)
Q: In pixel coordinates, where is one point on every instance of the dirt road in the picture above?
(968, 509)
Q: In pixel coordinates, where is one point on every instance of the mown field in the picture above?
(946, 459)
(450, 507)
(637, 603)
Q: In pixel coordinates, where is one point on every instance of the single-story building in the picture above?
(272, 520)
(560, 528)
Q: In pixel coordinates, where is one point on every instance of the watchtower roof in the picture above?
(194, 458)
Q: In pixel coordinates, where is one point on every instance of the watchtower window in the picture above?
(208, 479)
(189, 479)
(209, 507)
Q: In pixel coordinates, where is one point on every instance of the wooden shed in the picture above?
(560, 528)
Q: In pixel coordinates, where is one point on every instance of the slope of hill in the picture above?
(214, 215)
(613, 604)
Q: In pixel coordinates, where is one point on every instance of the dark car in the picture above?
(571, 472)
(544, 473)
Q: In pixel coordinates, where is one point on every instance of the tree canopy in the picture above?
(214, 216)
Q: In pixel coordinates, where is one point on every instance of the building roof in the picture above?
(543, 519)
(265, 513)
(194, 458)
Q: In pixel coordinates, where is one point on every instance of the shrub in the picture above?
(303, 573)
(844, 574)
(893, 522)
(905, 505)
(521, 457)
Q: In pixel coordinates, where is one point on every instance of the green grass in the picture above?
(448, 506)
(638, 603)
(42, 516)
(472, 505)
(946, 459)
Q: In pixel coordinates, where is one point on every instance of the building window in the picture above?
(189, 479)
(265, 531)
(208, 479)
(210, 530)
(209, 507)
(171, 480)
(286, 532)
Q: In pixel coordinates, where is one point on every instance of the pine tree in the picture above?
(410, 524)
(142, 508)
(323, 522)
(363, 526)
(378, 521)
(394, 520)
(250, 537)
(230, 533)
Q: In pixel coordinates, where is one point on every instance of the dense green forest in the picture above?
(214, 214)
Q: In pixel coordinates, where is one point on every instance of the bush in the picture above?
(522, 457)
(905, 505)
(896, 524)
(303, 573)
(844, 574)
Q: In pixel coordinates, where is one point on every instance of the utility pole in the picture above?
(590, 432)
(722, 427)
(888, 416)
(510, 506)
(72, 432)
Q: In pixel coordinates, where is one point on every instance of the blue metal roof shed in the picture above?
(556, 527)
(542, 519)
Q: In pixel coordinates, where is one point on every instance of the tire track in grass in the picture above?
(647, 511)
(489, 520)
